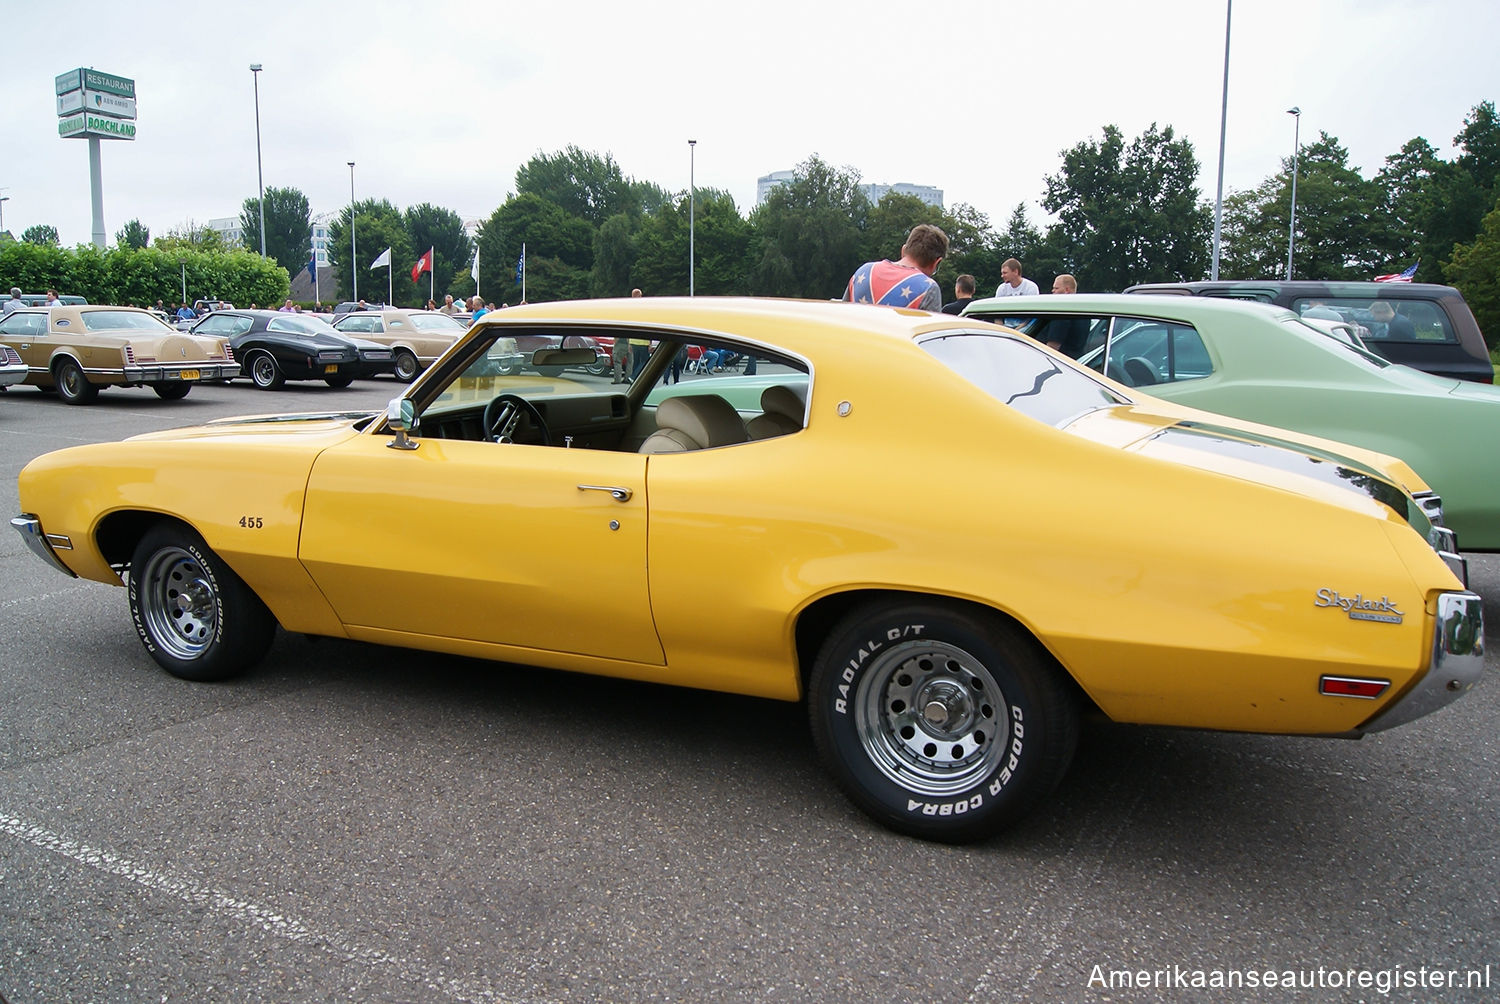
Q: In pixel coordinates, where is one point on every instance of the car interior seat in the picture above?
(782, 409)
(694, 422)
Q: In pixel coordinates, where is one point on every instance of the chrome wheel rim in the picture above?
(931, 717)
(71, 381)
(406, 366)
(263, 370)
(178, 603)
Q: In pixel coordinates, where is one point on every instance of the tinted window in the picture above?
(355, 323)
(301, 324)
(116, 320)
(1142, 353)
(1407, 321)
(436, 322)
(1021, 376)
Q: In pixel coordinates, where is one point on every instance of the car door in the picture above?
(507, 544)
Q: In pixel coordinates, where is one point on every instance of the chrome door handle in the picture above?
(615, 492)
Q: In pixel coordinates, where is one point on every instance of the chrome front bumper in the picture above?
(43, 545)
(1457, 663)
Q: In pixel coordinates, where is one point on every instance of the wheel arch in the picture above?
(118, 533)
(818, 618)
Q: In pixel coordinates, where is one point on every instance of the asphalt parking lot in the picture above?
(354, 823)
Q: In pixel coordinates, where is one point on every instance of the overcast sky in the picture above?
(441, 101)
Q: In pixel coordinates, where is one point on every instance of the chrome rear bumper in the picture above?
(1457, 663)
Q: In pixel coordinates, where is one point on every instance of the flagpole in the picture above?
(523, 271)
(431, 274)
(390, 283)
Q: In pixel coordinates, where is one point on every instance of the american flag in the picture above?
(1399, 276)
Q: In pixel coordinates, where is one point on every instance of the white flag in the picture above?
(384, 260)
(474, 269)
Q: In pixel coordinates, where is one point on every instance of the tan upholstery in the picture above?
(694, 422)
(782, 409)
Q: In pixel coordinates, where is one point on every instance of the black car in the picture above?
(1427, 326)
(274, 346)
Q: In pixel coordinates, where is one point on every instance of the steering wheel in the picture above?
(507, 414)
(1142, 372)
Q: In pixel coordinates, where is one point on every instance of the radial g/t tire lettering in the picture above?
(942, 722)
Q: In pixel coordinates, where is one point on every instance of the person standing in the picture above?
(449, 307)
(52, 299)
(963, 292)
(14, 303)
(1011, 283)
(908, 281)
(1067, 335)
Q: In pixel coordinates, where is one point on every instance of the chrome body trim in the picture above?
(43, 544)
(1457, 662)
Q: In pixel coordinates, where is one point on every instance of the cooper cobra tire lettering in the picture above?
(943, 721)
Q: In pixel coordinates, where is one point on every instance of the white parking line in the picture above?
(476, 989)
(45, 596)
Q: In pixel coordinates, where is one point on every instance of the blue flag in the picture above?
(520, 266)
(312, 267)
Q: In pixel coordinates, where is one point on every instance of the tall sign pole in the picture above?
(95, 106)
(353, 244)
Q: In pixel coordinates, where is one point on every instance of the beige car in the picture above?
(76, 350)
(418, 337)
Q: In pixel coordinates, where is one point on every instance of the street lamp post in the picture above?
(692, 209)
(1213, 272)
(260, 177)
(1291, 241)
(353, 244)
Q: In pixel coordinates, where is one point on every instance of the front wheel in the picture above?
(407, 367)
(940, 722)
(338, 381)
(195, 616)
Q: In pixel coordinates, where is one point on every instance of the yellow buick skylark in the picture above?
(949, 541)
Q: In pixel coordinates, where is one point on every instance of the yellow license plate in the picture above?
(331, 368)
(188, 374)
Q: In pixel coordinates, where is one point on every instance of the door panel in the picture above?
(484, 542)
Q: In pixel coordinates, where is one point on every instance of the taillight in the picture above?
(1351, 686)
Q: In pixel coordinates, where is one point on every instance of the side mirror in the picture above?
(400, 414)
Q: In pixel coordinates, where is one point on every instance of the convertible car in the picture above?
(1265, 364)
(873, 539)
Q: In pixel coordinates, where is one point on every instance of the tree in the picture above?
(559, 251)
(192, 237)
(809, 233)
(442, 230)
(614, 256)
(288, 227)
(377, 225)
(1475, 270)
(40, 233)
(1129, 214)
(580, 184)
(1343, 231)
(134, 235)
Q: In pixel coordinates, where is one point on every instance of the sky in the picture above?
(441, 101)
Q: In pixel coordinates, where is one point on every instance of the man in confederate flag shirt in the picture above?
(904, 283)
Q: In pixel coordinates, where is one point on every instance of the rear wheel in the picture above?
(407, 366)
(171, 391)
(195, 616)
(264, 372)
(72, 386)
(338, 381)
(941, 722)
(550, 371)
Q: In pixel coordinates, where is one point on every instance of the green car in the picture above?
(1264, 364)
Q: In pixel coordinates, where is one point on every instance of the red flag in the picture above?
(424, 264)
